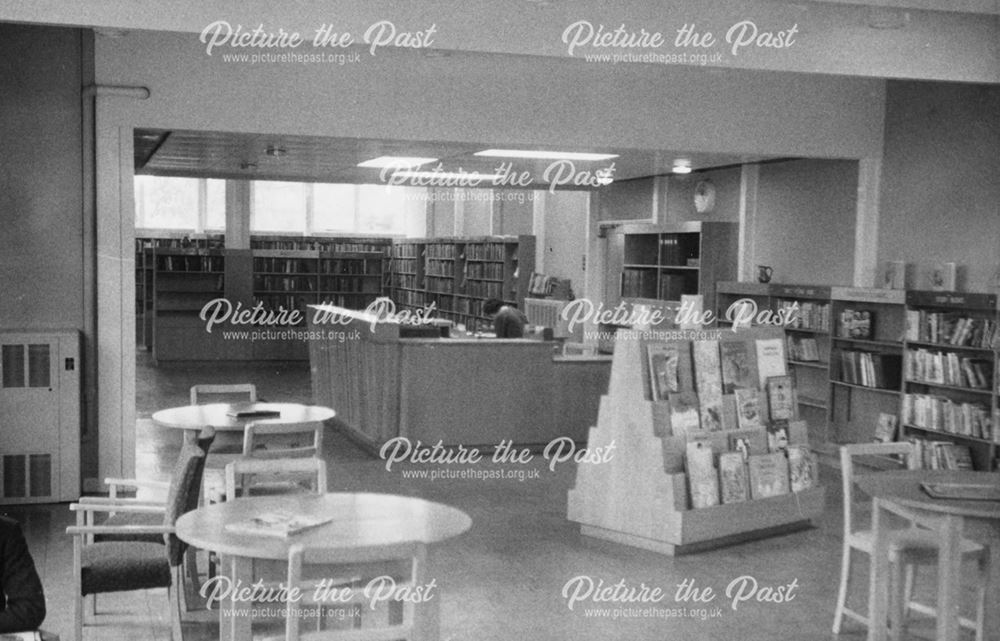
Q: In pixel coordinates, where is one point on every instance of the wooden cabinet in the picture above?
(662, 263)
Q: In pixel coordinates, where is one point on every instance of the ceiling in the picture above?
(205, 154)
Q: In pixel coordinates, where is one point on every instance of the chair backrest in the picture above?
(855, 450)
(185, 486)
(240, 473)
(230, 389)
(415, 553)
(281, 439)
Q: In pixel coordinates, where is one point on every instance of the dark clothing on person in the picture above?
(509, 323)
(22, 602)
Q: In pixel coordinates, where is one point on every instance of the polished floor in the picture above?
(505, 578)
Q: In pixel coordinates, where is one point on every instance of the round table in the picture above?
(958, 518)
(216, 415)
(359, 522)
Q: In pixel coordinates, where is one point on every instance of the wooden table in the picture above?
(979, 520)
(360, 521)
(194, 418)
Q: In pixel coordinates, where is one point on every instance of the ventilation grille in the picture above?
(27, 476)
(25, 365)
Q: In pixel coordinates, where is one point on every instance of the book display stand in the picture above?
(639, 494)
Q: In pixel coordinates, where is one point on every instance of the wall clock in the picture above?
(704, 197)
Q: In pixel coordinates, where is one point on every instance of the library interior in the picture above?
(409, 321)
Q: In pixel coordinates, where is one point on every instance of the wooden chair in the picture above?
(289, 474)
(281, 439)
(126, 565)
(403, 620)
(229, 389)
(917, 544)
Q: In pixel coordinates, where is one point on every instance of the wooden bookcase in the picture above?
(458, 275)
(666, 262)
(865, 367)
(639, 495)
(277, 272)
(727, 293)
(943, 327)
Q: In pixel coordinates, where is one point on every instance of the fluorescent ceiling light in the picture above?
(682, 166)
(396, 161)
(446, 175)
(544, 155)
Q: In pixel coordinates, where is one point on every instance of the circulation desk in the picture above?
(460, 391)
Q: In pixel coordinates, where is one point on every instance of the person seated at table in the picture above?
(508, 321)
(22, 602)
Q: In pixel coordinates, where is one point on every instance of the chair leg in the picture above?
(77, 589)
(984, 589)
(845, 568)
(175, 597)
(899, 600)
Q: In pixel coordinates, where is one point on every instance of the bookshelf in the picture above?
(641, 496)
(728, 293)
(277, 272)
(807, 348)
(458, 275)
(865, 360)
(664, 263)
(950, 387)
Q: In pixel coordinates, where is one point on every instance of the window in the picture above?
(279, 207)
(184, 204)
(166, 203)
(334, 207)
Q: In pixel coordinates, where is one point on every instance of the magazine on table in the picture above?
(278, 524)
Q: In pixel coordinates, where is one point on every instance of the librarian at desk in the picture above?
(508, 322)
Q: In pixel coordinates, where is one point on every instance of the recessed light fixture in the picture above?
(396, 161)
(682, 166)
(543, 155)
(276, 152)
(248, 166)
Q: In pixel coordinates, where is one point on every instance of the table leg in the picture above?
(234, 623)
(949, 571)
(878, 583)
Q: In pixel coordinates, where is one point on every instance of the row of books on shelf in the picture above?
(942, 455)
(190, 263)
(856, 323)
(411, 298)
(328, 246)
(484, 270)
(637, 282)
(747, 470)
(487, 251)
(284, 265)
(285, 283)
(359, 267)
(443, 250)
(407, 281)
(802, 348)
(406, 251)
(807, 314)
(948, 368)
(484, 289)
(950, 328)
(439, 267)
(186, 242)
(673, 286)
(867, 369)
(440, 285)
(675, 252)
(349, 284)
(405, 265)
(942, 414)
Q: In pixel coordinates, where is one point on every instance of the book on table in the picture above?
(963, 491)
(252, 410)
(29, 635)
(281, 524)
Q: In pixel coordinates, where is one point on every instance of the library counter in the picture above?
(463, 391)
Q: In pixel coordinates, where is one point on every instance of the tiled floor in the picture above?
(503, 579)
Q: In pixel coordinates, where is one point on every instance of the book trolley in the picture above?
(640, 496)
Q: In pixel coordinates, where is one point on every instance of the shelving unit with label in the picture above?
(865, 361)
(807, 348)
(950, 383)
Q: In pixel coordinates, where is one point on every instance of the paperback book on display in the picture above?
(803, 468)
(702, 476)
(768, 475)
(770, 358)
(663, 361)
(748, 409)
(708, 378)
(733, 477)
(780, 398)
(738, 368)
